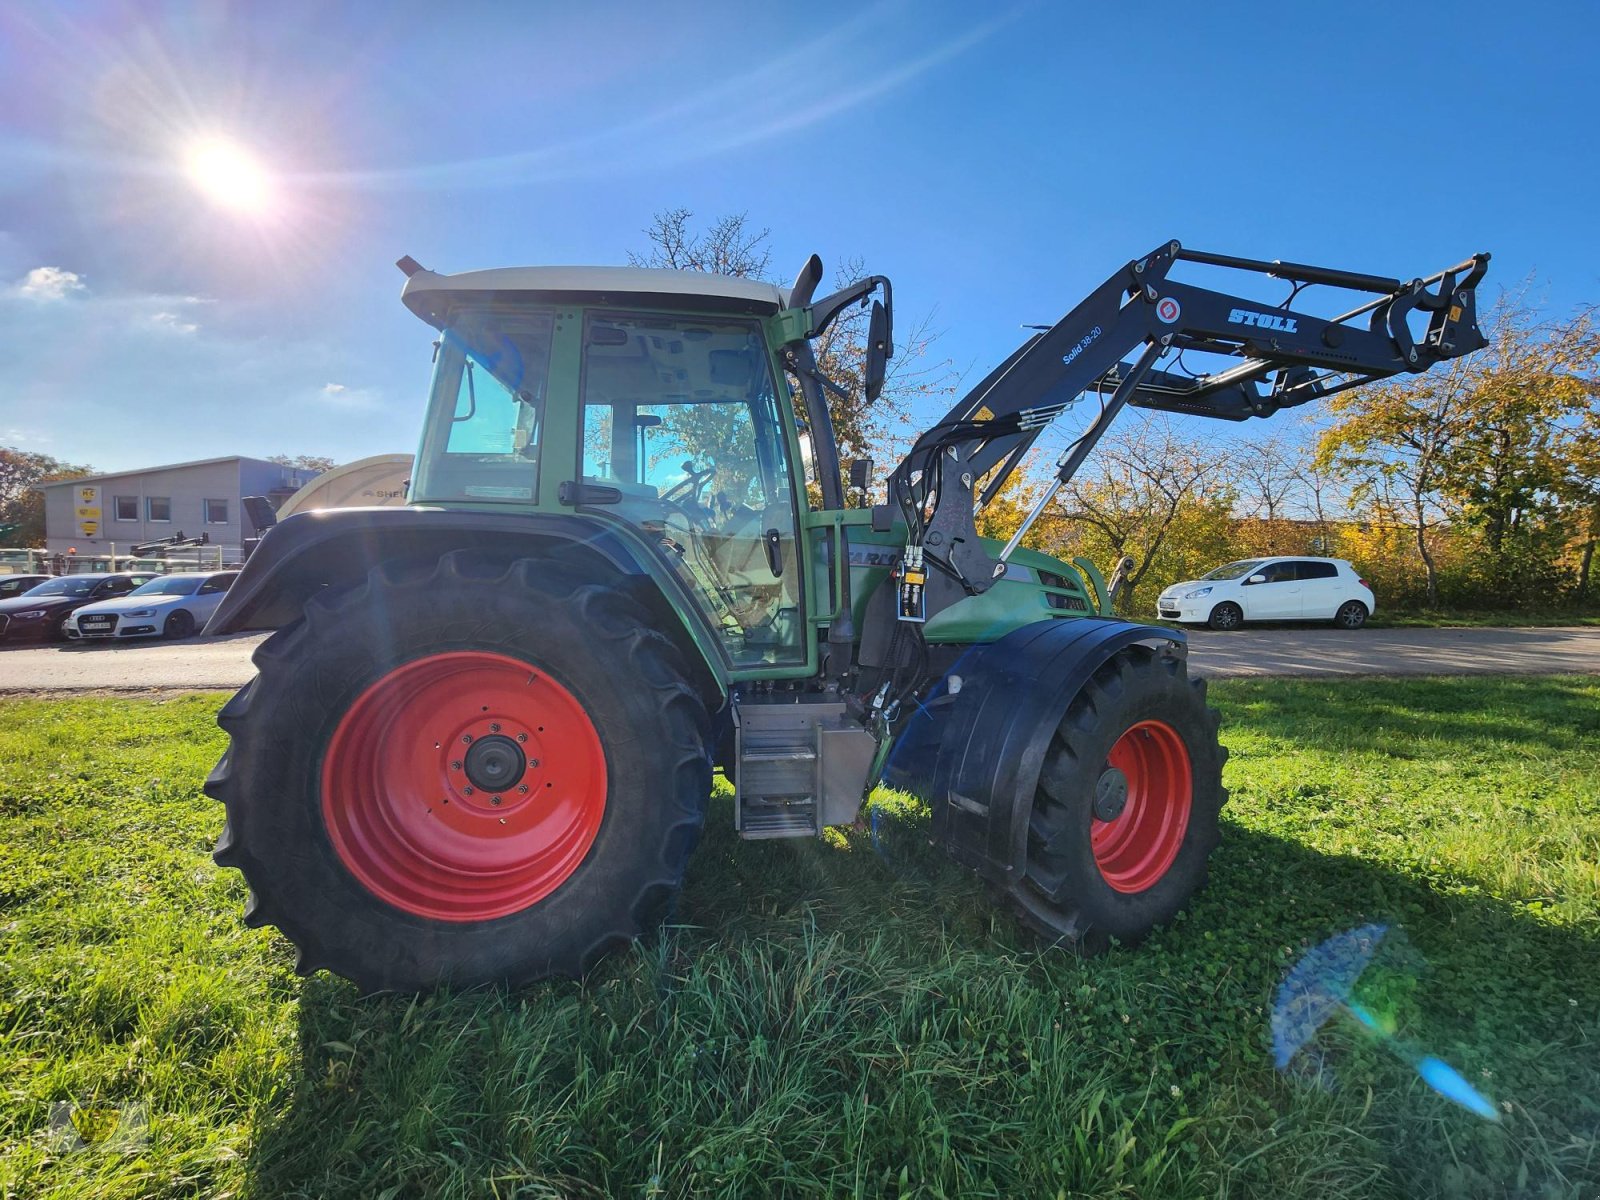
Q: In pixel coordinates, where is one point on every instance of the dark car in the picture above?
(15, 585)
(39, 613)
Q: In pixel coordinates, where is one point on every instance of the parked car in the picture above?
(1272, 589)
(172, 606)
(42, 611)
(15, 585)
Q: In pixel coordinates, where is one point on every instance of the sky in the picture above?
(997, 162)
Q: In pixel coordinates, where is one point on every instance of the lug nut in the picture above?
(494, 799)
(466, 739)
(455, 765)
(522, 789)
(494, 726)
(533, 762)
(522, 737)
(466, 791)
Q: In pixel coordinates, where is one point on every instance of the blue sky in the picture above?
(997, 162)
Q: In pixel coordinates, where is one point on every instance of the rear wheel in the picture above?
(1352, 614)
(465, 774)
(1226, 615)
(1126, 812)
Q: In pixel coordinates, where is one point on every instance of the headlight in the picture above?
(34, 615)
(141, 612)
(1197, 593)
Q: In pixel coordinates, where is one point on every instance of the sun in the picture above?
(230, 177)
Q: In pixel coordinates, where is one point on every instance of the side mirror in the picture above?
(860, 474)
(879, 351)
(1256, 579)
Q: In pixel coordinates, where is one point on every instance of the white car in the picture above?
(172, 606)
(1272, 589)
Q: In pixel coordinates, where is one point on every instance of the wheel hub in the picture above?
(494, 763)
(1110, 794)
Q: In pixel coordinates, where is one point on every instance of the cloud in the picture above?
(882, 48)
(50, 283)
(170, 322)
(348, 399)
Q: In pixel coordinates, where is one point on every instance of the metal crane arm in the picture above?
(1285, 358)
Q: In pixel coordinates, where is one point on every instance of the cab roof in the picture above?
(431, 295)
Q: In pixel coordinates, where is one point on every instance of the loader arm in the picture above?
(1284, 358)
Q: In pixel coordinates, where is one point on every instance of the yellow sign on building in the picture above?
(88, 510)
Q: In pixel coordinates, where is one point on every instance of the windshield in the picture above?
(1234, 570)
(169, 585)
(482, 439)
(75, 585)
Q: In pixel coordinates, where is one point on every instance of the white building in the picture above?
(98, 512)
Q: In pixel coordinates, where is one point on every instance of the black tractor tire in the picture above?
(577, 638)
(178, 626)
(1352, 614)
(1068, 893)
(1226, 616)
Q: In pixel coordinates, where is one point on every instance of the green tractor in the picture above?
(480, 744)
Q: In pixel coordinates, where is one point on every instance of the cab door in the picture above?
(1276, 597)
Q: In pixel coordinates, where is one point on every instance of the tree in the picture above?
(1488, 441)
(304, 462)
(1154, 497)
(731, 246)
(21, 503)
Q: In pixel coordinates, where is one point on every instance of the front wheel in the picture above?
(482, 773)
(1126, 812)
(179, 625)
(1352, 614)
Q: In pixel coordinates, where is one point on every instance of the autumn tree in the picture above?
(1154, 496)
(1487, 441)
(21, 503)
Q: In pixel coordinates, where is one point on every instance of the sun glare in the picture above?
(230, 177)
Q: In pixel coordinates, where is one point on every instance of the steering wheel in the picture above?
(686, 492)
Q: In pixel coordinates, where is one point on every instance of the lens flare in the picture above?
(230, 177)
(1320, 987)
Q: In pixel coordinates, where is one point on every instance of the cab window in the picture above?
(486, 412)
(683, 439)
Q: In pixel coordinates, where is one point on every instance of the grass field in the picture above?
(826, 1021)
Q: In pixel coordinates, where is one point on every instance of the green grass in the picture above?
(822, 1021)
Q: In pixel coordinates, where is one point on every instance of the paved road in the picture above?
(225, 662)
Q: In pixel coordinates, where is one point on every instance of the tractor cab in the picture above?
(648, 400)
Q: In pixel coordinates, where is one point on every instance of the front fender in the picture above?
(313, 550)
(974, 749)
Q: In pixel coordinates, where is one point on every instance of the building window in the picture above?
(127, 508)
(216, 512)
(158, 508)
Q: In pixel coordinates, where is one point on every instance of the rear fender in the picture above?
(334, 547)
(974, 749)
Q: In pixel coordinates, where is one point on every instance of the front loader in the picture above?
(480, 744)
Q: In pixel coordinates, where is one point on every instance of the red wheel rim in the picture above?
(400, 803)
(1134, 850)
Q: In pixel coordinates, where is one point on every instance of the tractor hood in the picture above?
(431, 296)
